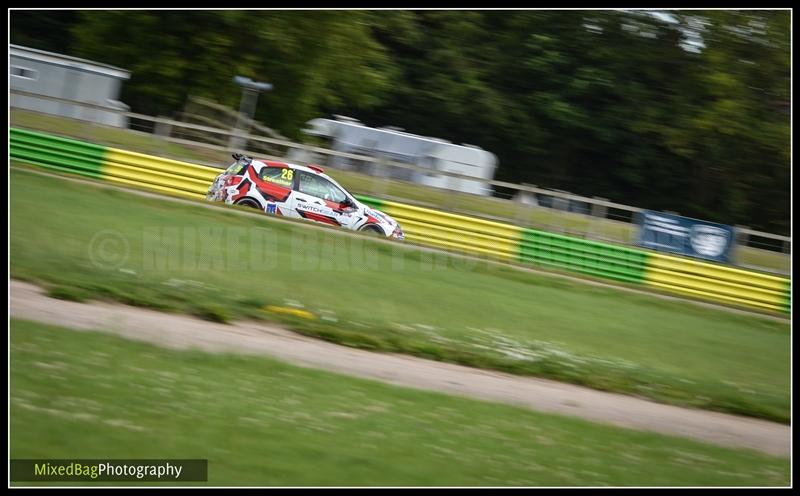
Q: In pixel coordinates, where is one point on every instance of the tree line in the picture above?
(687, 111)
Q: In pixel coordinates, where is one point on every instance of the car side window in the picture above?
(320, 187)
(278, 175)
(236, 168)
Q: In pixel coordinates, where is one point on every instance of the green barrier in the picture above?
(788, 305)
(56, 153)
(368, 200)
(588, 257)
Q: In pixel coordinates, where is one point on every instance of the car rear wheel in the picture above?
(248, 202)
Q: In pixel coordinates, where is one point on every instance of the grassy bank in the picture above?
(261, 422)
(86, 242)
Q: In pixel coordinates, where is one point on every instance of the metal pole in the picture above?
(247, 108)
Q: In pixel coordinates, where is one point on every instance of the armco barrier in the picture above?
(717, 282)
(53, 152)
(160, 174)
(589, 257)
(424, 226)
(456, 232)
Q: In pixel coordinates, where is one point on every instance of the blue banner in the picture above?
(690, 237)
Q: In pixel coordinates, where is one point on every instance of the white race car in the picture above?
(279, 188)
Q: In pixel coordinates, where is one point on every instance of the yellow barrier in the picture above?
(457, 232)
(716, 282)
(161, 174)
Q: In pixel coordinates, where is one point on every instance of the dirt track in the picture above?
(180, 332)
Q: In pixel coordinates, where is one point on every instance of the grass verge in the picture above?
(86, 242)
(261, 422)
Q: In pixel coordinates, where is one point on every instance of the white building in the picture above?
(351, 136)
(70, 78)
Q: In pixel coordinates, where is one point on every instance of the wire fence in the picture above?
(198, 137)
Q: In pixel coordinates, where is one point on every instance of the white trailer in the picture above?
(438, 156)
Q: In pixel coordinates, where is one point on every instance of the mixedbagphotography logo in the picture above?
(99, 470)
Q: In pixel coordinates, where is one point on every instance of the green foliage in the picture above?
(613, 104)
(43, 30)
(688, 114)
(175, 54)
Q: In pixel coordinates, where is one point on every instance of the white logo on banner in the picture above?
(709, 241)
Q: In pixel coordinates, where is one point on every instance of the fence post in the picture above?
(522, 208)
(596, 219)
(599, 210)
(741, 240)
(561, 205)
(85, 128)
(452, 200)
(635, 232)
(378, 171)
(162, 131)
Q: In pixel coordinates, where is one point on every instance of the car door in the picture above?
(317, 199)
(275, 186)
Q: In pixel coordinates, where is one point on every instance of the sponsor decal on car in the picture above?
(312, 208)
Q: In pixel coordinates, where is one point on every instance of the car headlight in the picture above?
(398, 233)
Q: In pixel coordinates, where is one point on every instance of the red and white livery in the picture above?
(306, 192)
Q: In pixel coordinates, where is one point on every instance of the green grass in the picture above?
(539, 218)
(87, 242)
(262, 422)
(113, 137)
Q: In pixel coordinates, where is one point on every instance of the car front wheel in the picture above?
(373, 231)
